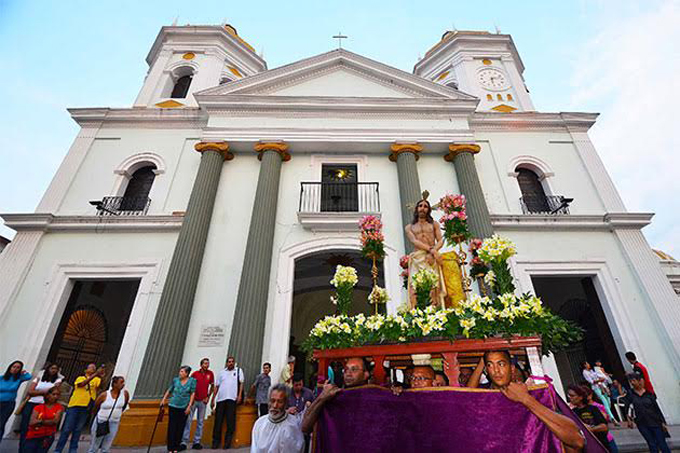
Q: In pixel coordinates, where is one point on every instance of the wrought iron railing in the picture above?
(339, 197)
(548, 204)
(123, 206)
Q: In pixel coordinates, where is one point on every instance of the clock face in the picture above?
(492, 79)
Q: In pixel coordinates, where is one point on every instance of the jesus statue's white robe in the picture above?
(283, 437)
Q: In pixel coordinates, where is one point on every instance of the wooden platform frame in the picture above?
(447, 350)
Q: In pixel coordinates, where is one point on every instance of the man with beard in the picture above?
(425, 234)
(278, 431)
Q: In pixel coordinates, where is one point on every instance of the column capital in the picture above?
(459, 148)
(398, 148)
(220, 147)
(280, 148)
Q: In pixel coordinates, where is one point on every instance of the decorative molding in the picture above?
(398, 148)
(220, 147)
(172, 67)
(303, 77)
(339, 57)
(334, 103)
(503, 108)
(533, 163)
(184, 118)
(136, 161)
(590, 222)
(332, 221)
(459, 148)
(51, 223)
(528, 121)
(279, 148)
(169, 104)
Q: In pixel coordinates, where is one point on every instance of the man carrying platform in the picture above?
(356, 374)
(498, 365)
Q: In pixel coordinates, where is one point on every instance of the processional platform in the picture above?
(453, 354)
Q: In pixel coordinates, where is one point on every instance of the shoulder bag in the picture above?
(103, 427)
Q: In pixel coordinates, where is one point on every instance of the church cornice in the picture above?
(525, 121)
(50, 222)
(337, 104)
(610, 221)
(181, 118)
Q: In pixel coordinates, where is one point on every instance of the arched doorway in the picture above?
(312, 292)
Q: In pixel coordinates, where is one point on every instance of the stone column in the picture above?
(462, 156)
(406, 156)
(166, 343)
(247, 330)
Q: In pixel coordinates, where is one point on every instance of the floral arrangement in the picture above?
(495, 252)
(403, 262)
(372, 239)
(424, 281)
(477, 317)
(378, 296)
(344, 281)
(454, 218)
(477, 266)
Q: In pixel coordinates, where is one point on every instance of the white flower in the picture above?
(490, 278)
(344, 275)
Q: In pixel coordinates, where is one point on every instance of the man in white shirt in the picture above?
(229, 393)
(278, 431)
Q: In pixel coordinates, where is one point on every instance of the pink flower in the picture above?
(403, 261)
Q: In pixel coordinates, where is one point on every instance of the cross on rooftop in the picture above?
(339, 37)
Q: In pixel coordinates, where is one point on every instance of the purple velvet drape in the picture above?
(372, 419)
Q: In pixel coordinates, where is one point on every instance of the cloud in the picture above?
(630, 73)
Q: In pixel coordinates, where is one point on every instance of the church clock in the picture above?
(492, 79)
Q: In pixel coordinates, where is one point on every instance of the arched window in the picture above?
(136, 196)
(534, 199)
(181, 88)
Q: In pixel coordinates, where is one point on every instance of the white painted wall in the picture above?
(556, 149)
(96, 178)
(31, 322)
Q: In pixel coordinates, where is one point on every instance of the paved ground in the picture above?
(628, 440)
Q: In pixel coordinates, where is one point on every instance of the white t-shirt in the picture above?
(283, 437)
(228, 387)
(42, 386)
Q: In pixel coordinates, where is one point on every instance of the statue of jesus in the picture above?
(425, 234)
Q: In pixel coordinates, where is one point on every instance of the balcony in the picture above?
(548, 204)
(127, 206)
(331, 206)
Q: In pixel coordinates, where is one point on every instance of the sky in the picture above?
(619, 58)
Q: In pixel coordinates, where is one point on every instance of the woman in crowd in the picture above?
(9, 385)
(37, 389)
(597, 383)
(591, 400)
(589, 415)
(44, 422)
(109, 407)
(179, 398)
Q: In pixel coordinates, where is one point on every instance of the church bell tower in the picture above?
(187, 59)
(482, 64)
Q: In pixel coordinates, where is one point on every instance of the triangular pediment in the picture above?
(336, 74)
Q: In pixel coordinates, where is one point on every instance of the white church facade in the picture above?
(207, 218)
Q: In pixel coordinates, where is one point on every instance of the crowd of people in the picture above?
(288, 411)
